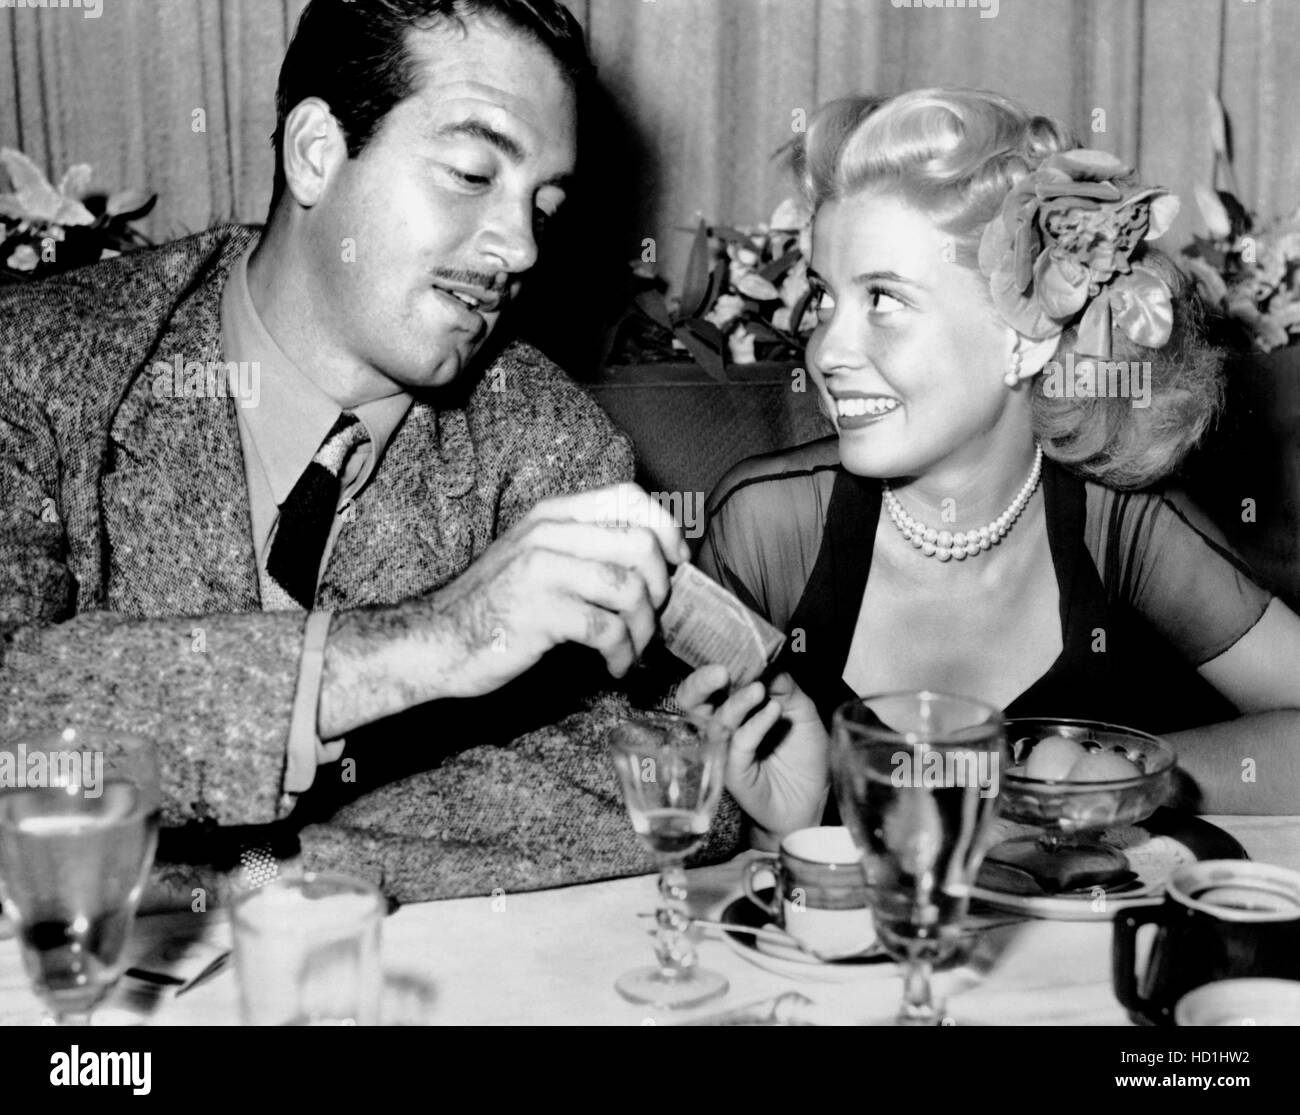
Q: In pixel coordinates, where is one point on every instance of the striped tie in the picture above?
(308, 512)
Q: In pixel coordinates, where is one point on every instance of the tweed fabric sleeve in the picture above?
(198, 687)
(201, 686)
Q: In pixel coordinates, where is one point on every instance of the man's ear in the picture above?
(313, 147)
(1034, 354)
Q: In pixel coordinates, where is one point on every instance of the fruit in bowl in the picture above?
(1071, 779)
(1082, 776)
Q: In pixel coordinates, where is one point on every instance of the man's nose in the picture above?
(508, 238)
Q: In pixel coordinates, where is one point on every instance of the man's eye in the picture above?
(882, 302)
(469, 179)
(823, 303)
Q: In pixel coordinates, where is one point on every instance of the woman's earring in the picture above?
(1013, 373)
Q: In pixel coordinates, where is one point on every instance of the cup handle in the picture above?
(757, 866)
(1123, 955)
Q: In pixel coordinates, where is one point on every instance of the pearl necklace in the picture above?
(943, 544)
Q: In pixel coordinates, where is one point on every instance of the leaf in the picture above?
(707, 332)
(774, 271)
(765, 330)
(695, 282)
(1213, 212)
(130, 205)
(40, 200)
(708, 358)
(796, 315)
(753, 285)
(652, 304)
(1218, 127)
(717, 283)
(1237, 213)
(731, 235)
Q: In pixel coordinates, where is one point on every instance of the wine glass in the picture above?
(917, 777)
(671, 770)
(78, 829)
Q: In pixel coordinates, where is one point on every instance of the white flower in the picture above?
(751, 284)
(35, 201)
(790, 215)
(24, 258)
(741, 344)
(795, 284)
(781, 318)
(740, 254)
(725, 310)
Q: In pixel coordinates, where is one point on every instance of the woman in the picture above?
(980, 525)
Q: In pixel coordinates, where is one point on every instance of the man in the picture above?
(332, 585)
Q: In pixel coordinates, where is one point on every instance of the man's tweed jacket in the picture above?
(129, 595)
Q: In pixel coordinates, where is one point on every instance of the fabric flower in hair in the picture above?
(1062, 247)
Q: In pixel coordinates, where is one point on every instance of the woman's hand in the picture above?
(781, 787)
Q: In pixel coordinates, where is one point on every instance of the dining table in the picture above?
(551, 957)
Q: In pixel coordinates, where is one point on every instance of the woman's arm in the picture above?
(1252, 764)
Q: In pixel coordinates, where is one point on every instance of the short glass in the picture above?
(307, 952)
(671, 769)
(78, 828)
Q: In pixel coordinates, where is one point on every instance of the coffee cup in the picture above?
(1219, 920)
(820, 893)
(1241, 1002)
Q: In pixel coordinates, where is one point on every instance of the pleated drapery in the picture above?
(177, 96)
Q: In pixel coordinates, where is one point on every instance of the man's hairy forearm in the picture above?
(382, 661)
(1249, 765)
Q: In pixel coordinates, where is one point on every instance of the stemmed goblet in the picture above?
(671, 769)
(917, 777)
(78, 829)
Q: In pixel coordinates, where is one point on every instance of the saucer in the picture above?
(791, 961)
(1155, 848)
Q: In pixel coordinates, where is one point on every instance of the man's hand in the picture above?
(787, 788)
(590, 568)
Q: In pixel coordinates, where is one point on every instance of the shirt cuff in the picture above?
(306, 749)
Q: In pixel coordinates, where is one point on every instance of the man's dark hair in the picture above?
(353, 55)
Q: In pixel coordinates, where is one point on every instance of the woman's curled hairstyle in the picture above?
(955, 155)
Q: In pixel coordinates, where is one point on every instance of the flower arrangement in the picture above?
(745, 297)
(46, 229)
(1061, 250)
(1247, 268)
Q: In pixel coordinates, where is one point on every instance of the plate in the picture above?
(1154, 849)
(790, 961)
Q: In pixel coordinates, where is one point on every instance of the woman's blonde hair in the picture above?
(954, 154)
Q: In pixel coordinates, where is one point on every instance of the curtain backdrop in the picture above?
(178, 95)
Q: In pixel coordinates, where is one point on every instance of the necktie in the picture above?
(307, 513)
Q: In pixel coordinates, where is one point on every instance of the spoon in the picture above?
(872, 953)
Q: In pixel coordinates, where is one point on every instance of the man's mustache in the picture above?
(481, 279)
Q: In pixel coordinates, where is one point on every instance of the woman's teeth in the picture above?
(856, 408)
